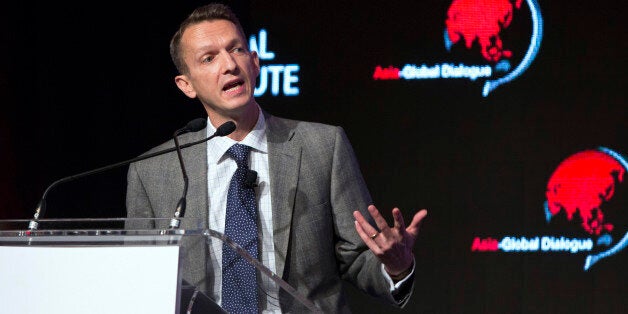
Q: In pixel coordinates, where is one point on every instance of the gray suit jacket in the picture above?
(316, 184)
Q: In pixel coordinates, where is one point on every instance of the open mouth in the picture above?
(232, 86)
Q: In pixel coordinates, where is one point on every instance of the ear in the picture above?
(183, 83)
(255, 62)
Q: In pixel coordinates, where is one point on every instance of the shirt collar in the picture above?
(218, 146)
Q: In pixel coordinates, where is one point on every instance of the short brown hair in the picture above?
(209, 12)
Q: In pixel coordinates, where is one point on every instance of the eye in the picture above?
(208, 59)
(238, 50)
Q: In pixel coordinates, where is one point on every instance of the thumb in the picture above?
(413, 228)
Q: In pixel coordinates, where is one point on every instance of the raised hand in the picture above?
(392, 245)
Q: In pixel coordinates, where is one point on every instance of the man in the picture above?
(310, 199)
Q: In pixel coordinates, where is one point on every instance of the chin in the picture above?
(237, 107)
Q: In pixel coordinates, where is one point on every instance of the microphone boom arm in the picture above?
(223, 130)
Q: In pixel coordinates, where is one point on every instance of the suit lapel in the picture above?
(195, 158)
(284, 157)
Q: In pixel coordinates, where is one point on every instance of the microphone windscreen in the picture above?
(226, 128)
(196, 125)
(250, 179)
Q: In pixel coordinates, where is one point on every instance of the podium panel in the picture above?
(121, 265)
(92, 266)
(89, 279)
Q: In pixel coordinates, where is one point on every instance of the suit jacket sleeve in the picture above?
(357, 263)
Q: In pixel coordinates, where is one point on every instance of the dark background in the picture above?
(89, 84)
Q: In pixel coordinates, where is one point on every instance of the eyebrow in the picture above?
(231, 43)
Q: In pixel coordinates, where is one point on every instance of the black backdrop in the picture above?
(89, 84)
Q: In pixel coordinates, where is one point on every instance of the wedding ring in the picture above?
(374, 235)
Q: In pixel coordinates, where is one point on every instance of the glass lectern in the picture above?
(103, 266)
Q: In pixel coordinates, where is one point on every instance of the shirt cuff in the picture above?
(395, 287)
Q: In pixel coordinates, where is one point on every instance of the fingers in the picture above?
(364, 225)
(392, 246)
(398, 219)
(366, 232)
(380, 221)
(416, 222)
(399, 224)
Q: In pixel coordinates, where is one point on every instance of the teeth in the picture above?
(232, 87)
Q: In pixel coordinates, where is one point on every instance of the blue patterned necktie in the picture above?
(239, 281)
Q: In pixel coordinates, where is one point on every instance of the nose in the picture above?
(228, 62)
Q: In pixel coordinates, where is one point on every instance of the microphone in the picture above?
(224, 129)
(192, 126)
(250, 179)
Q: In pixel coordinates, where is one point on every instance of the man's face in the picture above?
(222, 71)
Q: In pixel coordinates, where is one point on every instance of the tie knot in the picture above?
(240, 153)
